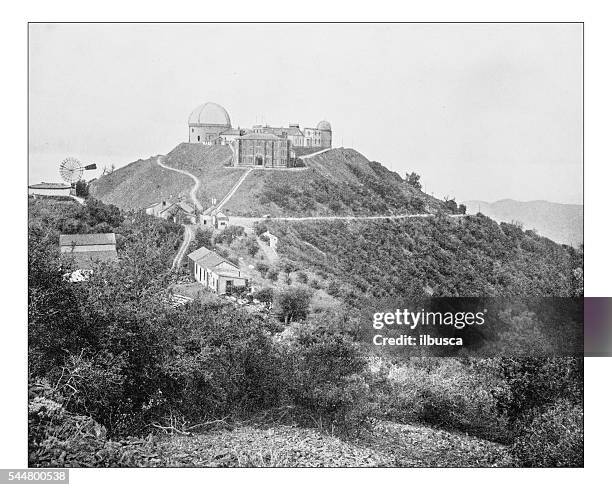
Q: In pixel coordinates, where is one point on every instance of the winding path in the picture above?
(194, 190)
(188, 236)
(183, 248)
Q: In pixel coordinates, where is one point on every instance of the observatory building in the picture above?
(207, 122)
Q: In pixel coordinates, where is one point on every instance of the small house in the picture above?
(88, 249)
(49, 189)
(215, 272)
(273, 240)
(156, 208)
(220, 220)
(179, 212)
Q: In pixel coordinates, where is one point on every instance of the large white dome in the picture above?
(210, 114)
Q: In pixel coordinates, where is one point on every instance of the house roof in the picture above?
(211, 260)
(199, 253)
(49, 185)
(88, 239)
(181, 205)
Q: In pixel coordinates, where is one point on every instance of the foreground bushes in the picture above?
(554, 437)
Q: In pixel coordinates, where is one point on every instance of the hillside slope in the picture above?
(473, 256)
(559, 222)
(143, 182)
(338, 182)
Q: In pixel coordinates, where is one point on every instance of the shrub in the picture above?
(203, 238)
(302, 277)
(252, 246)
(293, 303)
(229, 234)
(445, 393)
(58, 438)
(265, 295)
(273, 275)
(260, 228)
(327, 378)
(532, 382)
(552, 438)
(262, 268)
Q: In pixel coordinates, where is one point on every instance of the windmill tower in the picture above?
(72, 170)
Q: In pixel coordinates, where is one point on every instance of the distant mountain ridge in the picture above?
(562, 223)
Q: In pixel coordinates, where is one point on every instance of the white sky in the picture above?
(481, 111)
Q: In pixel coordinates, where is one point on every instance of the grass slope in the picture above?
(339, 182)
(143, 182)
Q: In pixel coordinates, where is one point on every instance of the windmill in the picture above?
(71, 170)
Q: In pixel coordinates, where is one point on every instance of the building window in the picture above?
(198, 137)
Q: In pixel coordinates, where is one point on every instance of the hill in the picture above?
(562, 223)
(143, 182)
(338, 182)
(441, 256)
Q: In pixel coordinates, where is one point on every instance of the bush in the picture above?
(260, 228)
(252, 246)
(302, 277)
(58, 438)
(445, 393)
(229, 234)
(203, 238)
(532, 382)
(265, 295)
(552, 438)
(262, 268)
(273, 275)
(327, 378)
(293, 303)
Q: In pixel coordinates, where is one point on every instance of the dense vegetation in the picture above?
(112, 355)
(439, 256)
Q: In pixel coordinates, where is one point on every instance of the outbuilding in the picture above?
(215, 272)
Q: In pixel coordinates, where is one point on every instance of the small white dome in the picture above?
(210, 113)
(324, 126)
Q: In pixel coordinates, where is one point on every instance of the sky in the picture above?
(480, 111)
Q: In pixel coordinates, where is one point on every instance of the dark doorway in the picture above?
(258, 161)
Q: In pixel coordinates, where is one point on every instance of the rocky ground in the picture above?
(389, 444)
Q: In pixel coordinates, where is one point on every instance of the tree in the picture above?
(462, 209)
(262, 268)
(252, 246)
(414, 180)
(293, 303)
(82, 189)
(259, 228)
(265, 295)
(203, 238)
(230, 234)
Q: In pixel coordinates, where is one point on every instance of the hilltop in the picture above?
(338, 182)
(559, 222)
